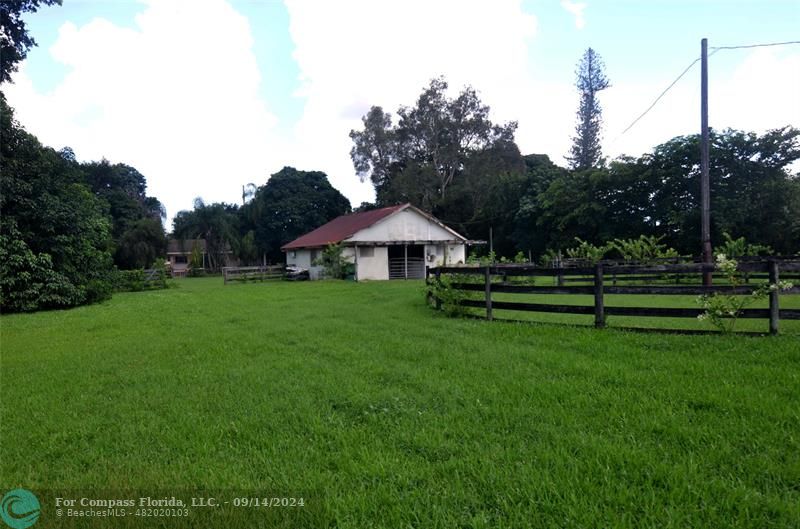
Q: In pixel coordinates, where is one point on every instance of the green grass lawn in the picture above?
(382, 413)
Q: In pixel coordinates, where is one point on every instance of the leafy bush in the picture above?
(734, 248)
(643, 250)
(549, 257)
(722, 309)
(196, 262)
(129, 280)
(335, 264)
(28, 281)
(137, 280)
(586, 251)
(452, 298)
(98, 290)
(56, 241)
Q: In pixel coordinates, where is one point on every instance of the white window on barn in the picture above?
(366, 251)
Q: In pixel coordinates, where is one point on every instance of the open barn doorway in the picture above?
(407, 261)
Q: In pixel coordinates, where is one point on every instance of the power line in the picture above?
(754, 45)
(667, 89)
(715, 50)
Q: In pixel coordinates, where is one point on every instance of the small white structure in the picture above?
(397, 242)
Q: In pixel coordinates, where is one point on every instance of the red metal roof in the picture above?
(341, 228)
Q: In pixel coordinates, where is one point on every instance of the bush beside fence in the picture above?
(141, 279)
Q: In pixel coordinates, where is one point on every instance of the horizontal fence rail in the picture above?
(252, 273)
(596, 276)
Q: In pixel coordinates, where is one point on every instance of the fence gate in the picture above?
(407, 261)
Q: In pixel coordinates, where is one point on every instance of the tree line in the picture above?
(445, 155)
(66, 226)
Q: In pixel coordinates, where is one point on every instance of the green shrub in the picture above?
(586, 251)
(335, 264)
(643, 250)
(722, 309)
(452, 298)
(734, 248)
(28, 281)
(196, 262)
(136, 280)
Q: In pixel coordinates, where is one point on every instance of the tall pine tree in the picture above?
(591, 79)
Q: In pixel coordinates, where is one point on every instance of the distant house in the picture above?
(179, 255)
(389, 243)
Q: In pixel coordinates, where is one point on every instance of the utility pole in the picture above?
(705, 199)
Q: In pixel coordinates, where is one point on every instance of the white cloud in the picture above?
(184, 108)
(576, 9)
(177, 98)
(758, 94)
(355, 54)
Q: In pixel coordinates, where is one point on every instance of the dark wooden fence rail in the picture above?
(596, 275)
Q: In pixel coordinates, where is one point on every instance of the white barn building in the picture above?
(397, 242)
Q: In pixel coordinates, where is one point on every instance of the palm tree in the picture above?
(216, 223)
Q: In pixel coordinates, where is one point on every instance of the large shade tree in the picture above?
(134, 215)
(444, 155)
(291, 203)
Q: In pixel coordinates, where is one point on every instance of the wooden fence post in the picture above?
(599, 310)
(774, 306)
(488, 274)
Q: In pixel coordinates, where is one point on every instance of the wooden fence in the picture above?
(252, 273)
(597, 276)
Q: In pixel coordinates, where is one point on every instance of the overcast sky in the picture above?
(203, 96)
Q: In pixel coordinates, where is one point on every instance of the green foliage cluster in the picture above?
(27, 279)
(643, 250)
(451, 299)
(15, 42)
(217, 224)
(531, 204)
(290, 204)
(722, 309)
(67, 225)
(656, 196)
(734, 248)
(137, 229)
(56, 243)
(138, 280)
(196, 268)
(335, 264)
(586, 251)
